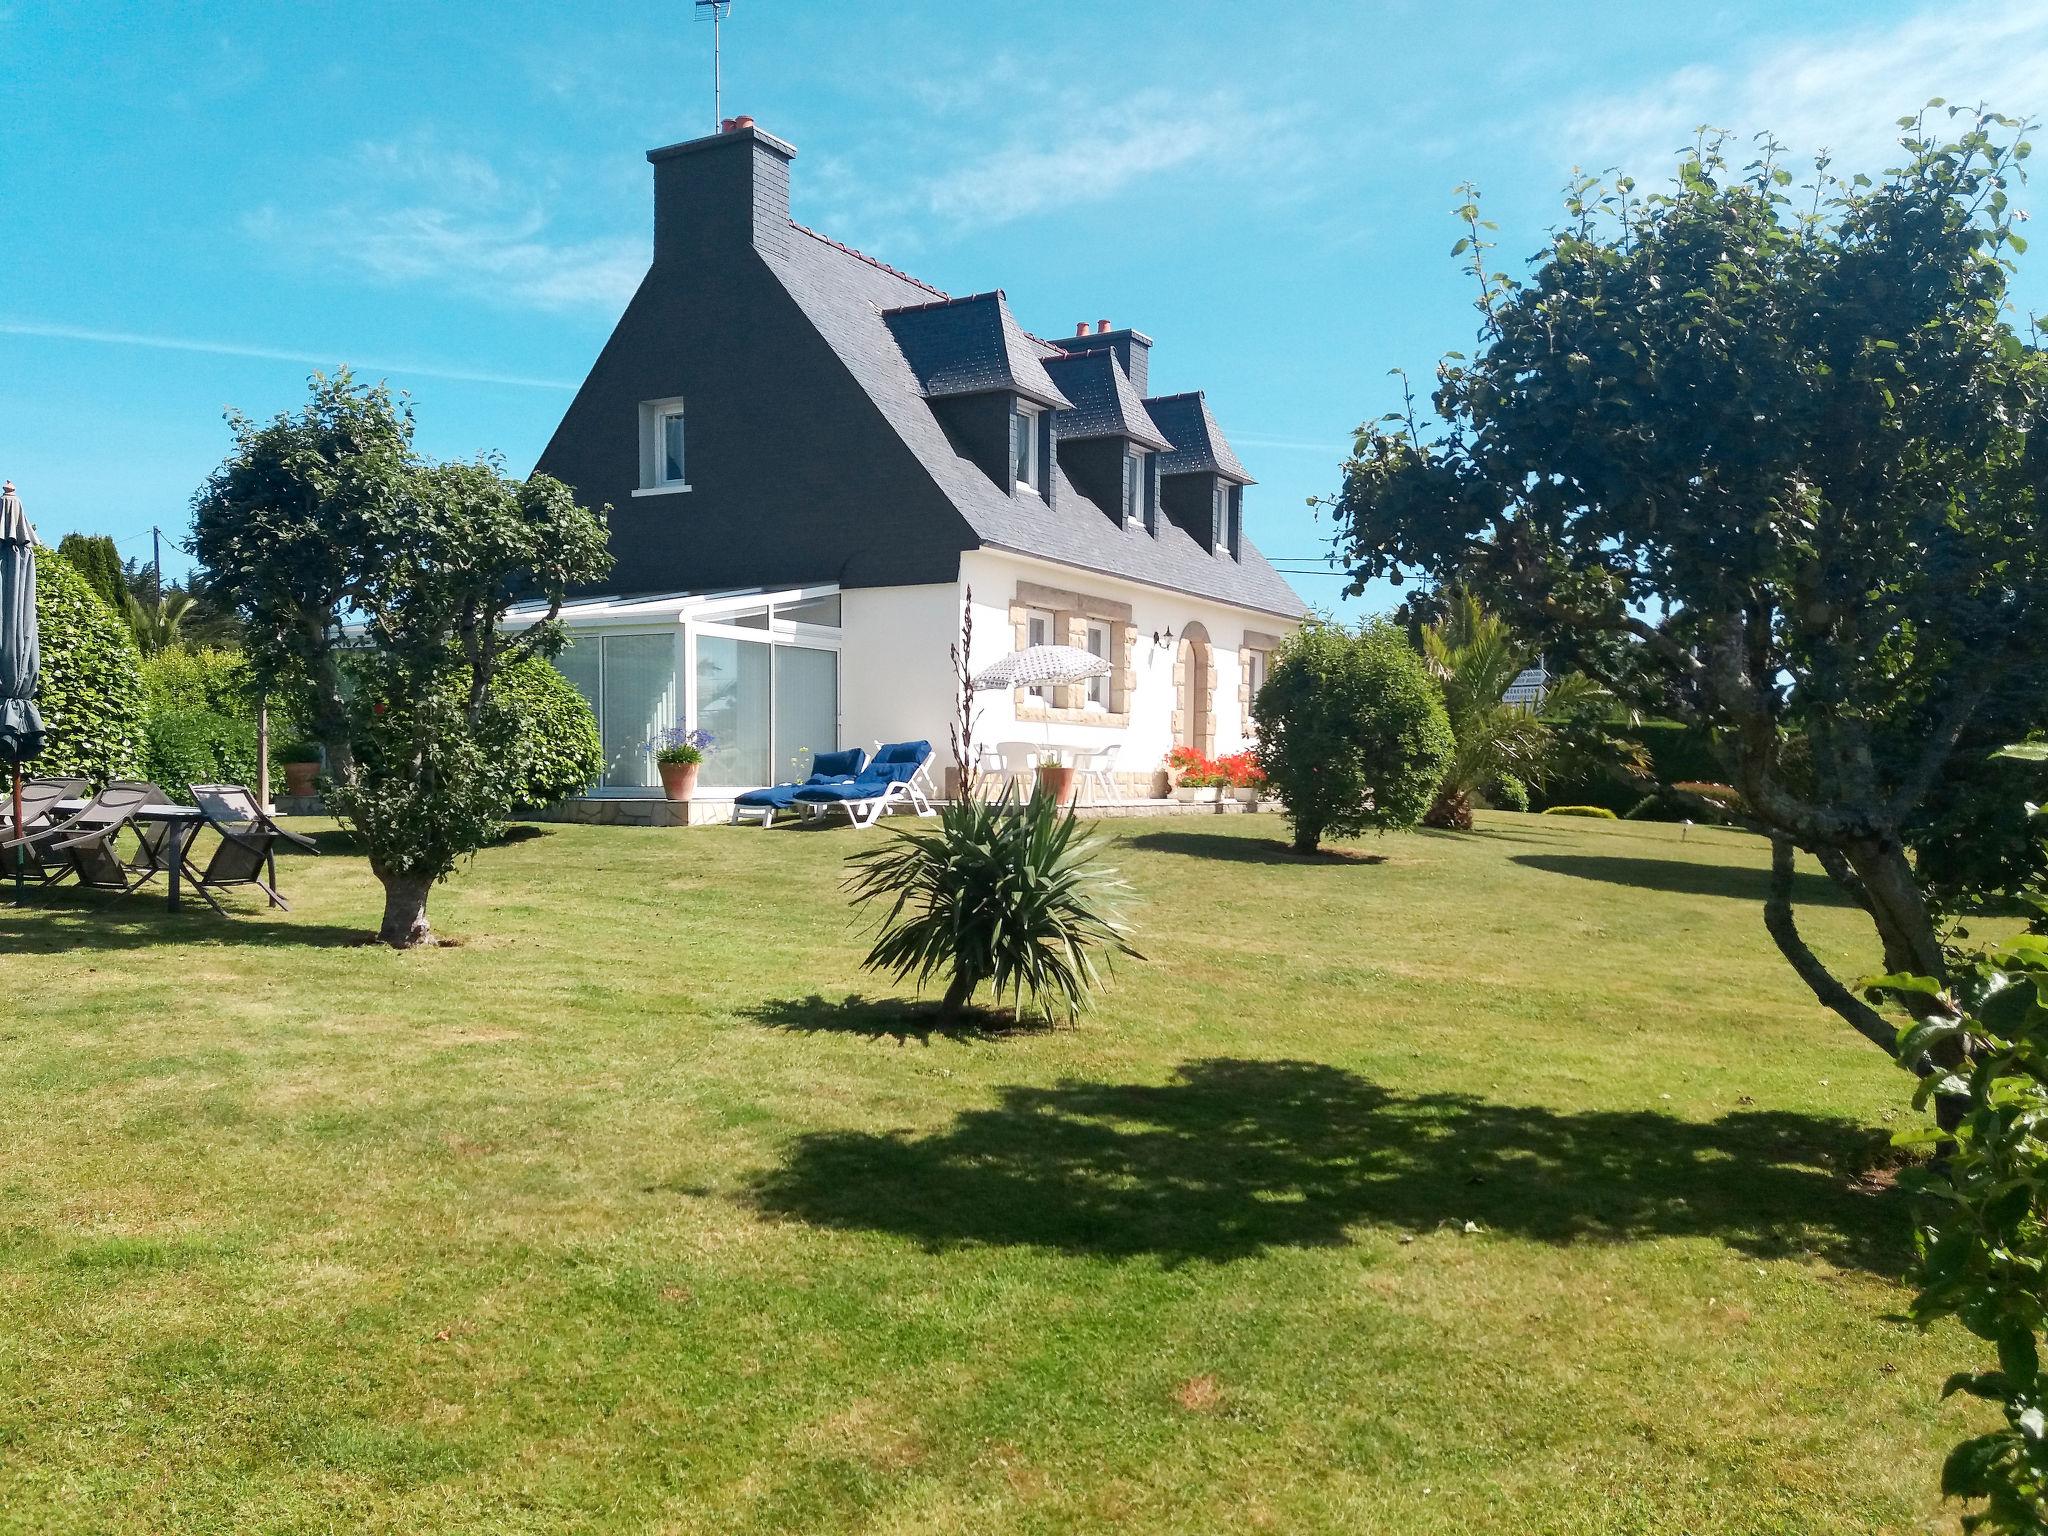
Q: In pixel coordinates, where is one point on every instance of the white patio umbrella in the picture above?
(1041, 666)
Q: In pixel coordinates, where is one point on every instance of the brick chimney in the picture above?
(715, 197)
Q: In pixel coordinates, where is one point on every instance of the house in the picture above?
(811, 458)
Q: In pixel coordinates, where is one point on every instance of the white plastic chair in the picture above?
(1018, 765)
(1098, 771)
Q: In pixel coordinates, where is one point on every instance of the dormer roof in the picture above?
(1199, 446)
(971, 346)
(1104, 402)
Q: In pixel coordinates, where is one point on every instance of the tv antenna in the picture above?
(714, 11)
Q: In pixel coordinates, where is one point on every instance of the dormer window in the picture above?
(661, 448)
(1025, 467)
(1233, 522)
(1134, 487)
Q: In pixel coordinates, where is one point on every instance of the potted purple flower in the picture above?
(677, 756)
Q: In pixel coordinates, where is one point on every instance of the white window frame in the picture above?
(1024, 418)
(654, 418)
(1098, 687)
(1034, 618)
(1133, 503)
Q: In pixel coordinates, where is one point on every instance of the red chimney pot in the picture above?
(1102, 327)
(725, 125)
(1081, 328)
(740, 122)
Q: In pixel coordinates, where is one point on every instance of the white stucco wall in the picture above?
(896, 681)
(895, 675)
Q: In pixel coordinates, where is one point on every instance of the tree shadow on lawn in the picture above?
(1235, 1157)
(1683, 878)
(889, 1018)
(64, 922)
(1248, 850)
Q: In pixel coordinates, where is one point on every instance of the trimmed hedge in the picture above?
(202, 721)
(1598, 812)
(91, 694)
(557, 752)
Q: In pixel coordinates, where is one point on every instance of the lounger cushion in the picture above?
(780, 797)
(827, 766)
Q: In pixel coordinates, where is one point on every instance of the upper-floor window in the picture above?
(1149, 495)
(1024, 458)
(661, 447)
(1134, 487)
(1229, 512)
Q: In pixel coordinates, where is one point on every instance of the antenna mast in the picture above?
(715, 10)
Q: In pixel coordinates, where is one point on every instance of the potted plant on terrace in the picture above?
(678, 754)
(1196, 780)
(1241, 774)
(301, 760)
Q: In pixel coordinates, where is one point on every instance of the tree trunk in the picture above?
(958, 991)
(1452, 811)
(405, 911)
(1307, 838)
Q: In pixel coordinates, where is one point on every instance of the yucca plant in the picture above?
(1008, 895)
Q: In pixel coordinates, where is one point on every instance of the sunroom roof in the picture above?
(643, 606)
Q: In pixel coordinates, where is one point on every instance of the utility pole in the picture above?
(156, 562)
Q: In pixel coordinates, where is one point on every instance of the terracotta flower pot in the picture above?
(300, 779)
(679, 780)
(1057, 780)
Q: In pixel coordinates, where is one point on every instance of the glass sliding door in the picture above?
(733, 681)
(639, 698)
(806, 707)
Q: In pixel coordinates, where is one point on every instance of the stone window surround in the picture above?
(1263, 645)
(1071, 614)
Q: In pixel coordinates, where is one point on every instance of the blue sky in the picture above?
(202, 202)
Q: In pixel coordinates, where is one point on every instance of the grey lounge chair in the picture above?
(89, 843)
(247, 851)
(39, 814)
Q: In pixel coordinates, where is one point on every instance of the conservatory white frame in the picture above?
(689, 616)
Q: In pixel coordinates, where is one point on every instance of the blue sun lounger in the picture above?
(899, 775)
(827, 768)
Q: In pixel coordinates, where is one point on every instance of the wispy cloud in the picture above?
(272, 354)
(416, 211)
(1056, 147)
(1843, 92)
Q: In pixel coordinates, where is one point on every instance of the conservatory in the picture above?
(757, 670)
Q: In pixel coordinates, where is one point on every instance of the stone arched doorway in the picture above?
(1194, 698)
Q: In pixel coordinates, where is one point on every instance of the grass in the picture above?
(1509, 1183)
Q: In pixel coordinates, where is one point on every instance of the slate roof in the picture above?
(971, 346)
(1199, 446)
(1104, 402)
(857, 304)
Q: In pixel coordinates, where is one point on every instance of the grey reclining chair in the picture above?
(247, 851)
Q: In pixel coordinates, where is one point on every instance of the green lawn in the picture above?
(644, 1209)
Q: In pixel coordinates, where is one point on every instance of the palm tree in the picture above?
(1476, 656)
(159, 625)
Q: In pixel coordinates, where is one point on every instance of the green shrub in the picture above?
(1509, 793)
(91, 693)
(557, 752)
(1002, 894)
(202, 746)
(181, 681)
(94, 557)
(1600, 812)
(1352, 731)
(1982, 1228)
